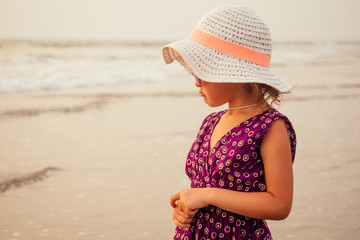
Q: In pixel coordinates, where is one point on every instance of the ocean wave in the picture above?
(33, 73)
(47, 66)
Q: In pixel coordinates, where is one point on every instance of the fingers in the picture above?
(185, 211)
(182, 215)
(181, 225)
(185, 216)
(173, 199)
(181, 219)
(190, 212)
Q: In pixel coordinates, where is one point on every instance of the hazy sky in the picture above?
(170, 19)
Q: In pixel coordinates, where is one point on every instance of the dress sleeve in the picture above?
(266, 123)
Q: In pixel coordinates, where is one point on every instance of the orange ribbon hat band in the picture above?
(230, 48)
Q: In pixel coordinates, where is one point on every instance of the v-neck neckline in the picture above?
(221, 114)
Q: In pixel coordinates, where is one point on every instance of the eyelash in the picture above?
(198, 81)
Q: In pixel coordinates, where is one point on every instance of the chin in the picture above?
(212, 104)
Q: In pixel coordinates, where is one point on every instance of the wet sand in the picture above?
(110, 157)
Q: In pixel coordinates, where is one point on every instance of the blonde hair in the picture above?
(265, 95)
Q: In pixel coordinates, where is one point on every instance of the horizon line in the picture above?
(143, 43)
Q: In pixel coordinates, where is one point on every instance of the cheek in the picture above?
(216, 96)
(221, 91)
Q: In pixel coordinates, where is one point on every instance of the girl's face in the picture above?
(217, 94)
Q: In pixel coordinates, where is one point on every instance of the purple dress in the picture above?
(234, 163)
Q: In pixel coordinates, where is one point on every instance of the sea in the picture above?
(34, 65)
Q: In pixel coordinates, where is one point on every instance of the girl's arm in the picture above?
(273, 204)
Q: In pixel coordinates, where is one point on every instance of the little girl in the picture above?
(240, 164)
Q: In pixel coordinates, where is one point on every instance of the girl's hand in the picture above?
(181, 219)
(186, 203)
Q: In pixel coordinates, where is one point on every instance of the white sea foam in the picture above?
(25, 66)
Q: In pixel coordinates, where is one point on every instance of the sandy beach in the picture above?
(101, 162)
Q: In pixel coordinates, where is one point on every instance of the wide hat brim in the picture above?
(213, 66)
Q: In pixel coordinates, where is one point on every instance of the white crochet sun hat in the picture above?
(229, 44)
